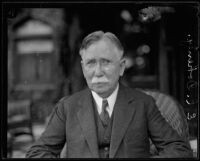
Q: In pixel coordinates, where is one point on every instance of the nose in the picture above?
(98, 70)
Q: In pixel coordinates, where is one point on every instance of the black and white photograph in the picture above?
(100, 79)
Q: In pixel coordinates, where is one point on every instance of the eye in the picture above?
(106, 61)
(90, 63)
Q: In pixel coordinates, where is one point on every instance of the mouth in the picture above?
(100, 84)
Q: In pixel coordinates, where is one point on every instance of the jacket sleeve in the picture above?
(52, 140)
(167, 141)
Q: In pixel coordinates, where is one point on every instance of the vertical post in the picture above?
(163, 61)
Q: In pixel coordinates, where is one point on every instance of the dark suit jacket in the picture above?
(136, 118)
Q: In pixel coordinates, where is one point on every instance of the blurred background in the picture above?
(43, 63)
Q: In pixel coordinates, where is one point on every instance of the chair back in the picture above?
(19, 117)
(173, 113)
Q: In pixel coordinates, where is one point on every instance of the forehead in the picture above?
(103, 48)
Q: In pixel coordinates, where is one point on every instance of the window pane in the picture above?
(34, 46)
(27, 69)
(44, 68)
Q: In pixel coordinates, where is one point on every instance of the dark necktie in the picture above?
(104, 113)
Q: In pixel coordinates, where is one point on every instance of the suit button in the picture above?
(106, 148)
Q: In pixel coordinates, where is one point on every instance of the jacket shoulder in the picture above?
(136, 94)
(74, 98)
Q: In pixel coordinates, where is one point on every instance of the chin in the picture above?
(102, 92)
(99, 90)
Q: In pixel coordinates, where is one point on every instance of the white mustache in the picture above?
(99, 80)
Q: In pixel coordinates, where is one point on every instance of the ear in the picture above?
(82, 63)
(122, 66)
(82, 66)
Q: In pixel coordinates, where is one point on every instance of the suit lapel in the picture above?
(123, 113)
(87, 122)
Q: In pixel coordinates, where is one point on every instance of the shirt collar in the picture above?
(111, 100)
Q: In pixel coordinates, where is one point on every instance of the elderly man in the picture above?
(107, 120)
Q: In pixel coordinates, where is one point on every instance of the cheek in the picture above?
(112, 73)
(87, 74)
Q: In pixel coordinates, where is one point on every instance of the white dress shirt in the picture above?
(111, 101)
